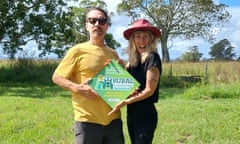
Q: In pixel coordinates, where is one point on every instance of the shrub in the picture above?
(27, 71)
(213, 91)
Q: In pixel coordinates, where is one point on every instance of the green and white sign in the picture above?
(113, 83)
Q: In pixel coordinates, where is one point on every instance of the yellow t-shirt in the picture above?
(80, 63)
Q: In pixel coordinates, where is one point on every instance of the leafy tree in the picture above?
(238, 59)
(222, 50)
(192, 55)
(111, 42)
(178, 18)
(30, 20)
(51, 24)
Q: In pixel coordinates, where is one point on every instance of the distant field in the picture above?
(216, 72)
(40, 71)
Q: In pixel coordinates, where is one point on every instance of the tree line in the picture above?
(54, 25)
(220, 51)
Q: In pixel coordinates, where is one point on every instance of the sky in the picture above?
(230, 31)
(230, 2)
(177, 47)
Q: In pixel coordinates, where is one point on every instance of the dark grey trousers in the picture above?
(90, 133)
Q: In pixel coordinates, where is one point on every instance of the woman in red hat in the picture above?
(145, 66)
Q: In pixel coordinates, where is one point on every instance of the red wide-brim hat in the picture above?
(142, 25)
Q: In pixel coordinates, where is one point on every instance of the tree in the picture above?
(51, 24)
(33, 20)
(111, 42)
(192, 55)
(178, 18)
(222, 50)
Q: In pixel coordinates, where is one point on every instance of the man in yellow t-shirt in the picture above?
(83, 61)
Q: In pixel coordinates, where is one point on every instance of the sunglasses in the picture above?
(101, 21)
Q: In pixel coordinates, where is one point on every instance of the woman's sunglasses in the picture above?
(101, 21)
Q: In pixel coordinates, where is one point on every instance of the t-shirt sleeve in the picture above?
(67, 66)
(113, 53)
(153, 60)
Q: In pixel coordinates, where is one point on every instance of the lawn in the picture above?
(35, 114)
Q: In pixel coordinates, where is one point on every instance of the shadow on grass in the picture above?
(32, 90)
(45, 91)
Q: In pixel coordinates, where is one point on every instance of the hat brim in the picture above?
(155, 31)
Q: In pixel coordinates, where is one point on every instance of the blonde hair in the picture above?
(133, 56)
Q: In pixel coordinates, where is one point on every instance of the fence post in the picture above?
(206, 74)
(170, 73)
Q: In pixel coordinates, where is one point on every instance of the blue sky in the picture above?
(230, 31)
(230, 2)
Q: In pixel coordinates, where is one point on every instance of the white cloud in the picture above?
(230, 31)
(112, 4)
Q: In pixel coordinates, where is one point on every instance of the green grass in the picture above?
(198, 121)
(35, 114)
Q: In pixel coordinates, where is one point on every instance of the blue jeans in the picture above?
(90, 133)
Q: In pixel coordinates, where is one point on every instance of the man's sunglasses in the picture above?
(101, 21)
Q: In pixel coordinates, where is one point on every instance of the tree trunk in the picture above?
(165, 53)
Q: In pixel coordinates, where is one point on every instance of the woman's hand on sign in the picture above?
(118, 107)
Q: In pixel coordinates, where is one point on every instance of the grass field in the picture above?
(35, 114)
